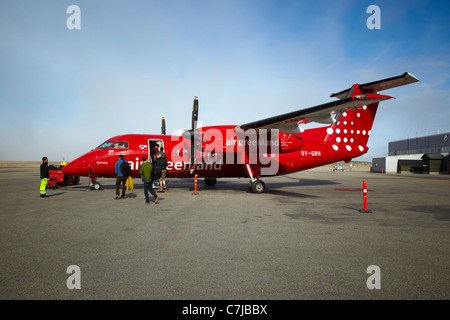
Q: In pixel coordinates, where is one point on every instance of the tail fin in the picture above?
(353, 126)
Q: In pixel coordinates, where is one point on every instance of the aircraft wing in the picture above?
(330, 112)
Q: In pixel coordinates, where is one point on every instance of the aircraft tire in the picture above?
(210, 181)
(66, 181)
(96, 185)
(258, 186)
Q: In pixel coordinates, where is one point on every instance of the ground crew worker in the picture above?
(45, 174)
(145, 171)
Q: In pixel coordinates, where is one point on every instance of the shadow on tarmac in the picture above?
(236, 184)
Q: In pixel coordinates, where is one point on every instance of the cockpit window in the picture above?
(120, 145)
(106, 145)
(114, 145)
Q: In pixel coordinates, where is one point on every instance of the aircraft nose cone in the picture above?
(69, 169)
(74, 168)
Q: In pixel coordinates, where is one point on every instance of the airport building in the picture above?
(429, 154)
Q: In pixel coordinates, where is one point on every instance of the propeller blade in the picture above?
(194, 126)
(193, 134)
(195, 113)
(163, 126)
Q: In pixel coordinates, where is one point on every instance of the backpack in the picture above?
(155, 173)
(125, 168)
(162, 163)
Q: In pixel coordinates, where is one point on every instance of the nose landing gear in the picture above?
(95, 185)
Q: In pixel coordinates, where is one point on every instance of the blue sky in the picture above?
(63, 92)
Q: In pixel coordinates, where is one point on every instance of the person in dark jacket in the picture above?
(161, 162)
(45, 174)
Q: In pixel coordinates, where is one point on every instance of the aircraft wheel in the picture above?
(66, 181)
(258, 186)
(210, 181)
(96, 185)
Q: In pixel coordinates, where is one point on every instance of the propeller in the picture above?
(163, 126)
(193, 134)
(193, 127)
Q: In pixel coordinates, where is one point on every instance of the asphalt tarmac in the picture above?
(303, 239)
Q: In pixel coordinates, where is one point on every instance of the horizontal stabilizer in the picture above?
(379, 85)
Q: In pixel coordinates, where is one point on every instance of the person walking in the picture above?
(45, 174)
(121, 176)
(161, 162)
(145, 171)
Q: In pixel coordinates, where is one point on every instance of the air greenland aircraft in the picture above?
(268, 147)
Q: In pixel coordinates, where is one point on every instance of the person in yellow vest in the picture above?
(44, 177)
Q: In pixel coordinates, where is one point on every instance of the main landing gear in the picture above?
(255, 185)
(210, 181)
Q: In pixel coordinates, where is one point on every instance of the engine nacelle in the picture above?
(289, 142)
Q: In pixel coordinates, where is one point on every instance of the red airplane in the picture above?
(268, 147)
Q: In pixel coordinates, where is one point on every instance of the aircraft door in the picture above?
(154, 146)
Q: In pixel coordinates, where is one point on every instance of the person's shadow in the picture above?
(55, 194)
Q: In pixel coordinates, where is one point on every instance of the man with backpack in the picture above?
(122, 172)
(161, 163)
(145, 171)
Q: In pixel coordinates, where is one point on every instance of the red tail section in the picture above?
(353, 127)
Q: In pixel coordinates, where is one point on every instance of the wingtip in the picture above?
(411, 76)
